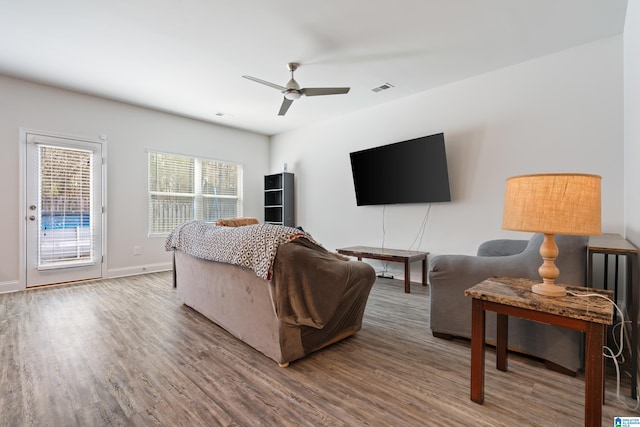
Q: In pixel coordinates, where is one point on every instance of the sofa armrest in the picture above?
(502, 247)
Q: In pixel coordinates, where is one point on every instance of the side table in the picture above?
(615, 245)
(513, 297)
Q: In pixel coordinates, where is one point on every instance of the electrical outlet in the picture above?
(137, 250)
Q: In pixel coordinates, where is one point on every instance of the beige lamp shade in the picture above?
(553, 204)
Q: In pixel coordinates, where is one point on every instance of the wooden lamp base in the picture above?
(548, 270)
(549, 290)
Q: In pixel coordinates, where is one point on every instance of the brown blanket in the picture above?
(312, 283)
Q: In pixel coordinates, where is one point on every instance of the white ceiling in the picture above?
(187, 57)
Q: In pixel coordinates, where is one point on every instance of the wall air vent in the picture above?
(382, 87)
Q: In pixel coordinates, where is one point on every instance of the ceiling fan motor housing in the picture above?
(293, 88)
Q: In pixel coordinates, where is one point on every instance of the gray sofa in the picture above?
(451, 275)
(311, 299)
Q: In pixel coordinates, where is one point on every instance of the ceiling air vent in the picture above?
(382, 87)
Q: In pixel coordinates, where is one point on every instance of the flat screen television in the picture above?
(412, 171)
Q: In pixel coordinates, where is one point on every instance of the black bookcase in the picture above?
(278, 199)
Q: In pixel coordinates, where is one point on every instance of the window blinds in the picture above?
(65, 221)
(183, 188)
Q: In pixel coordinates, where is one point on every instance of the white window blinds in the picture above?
(65, 220)
(183, 188)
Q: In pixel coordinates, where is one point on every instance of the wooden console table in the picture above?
(394, 255)
(513, 297)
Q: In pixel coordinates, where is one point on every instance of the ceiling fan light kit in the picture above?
(292, 90)
(292, 94)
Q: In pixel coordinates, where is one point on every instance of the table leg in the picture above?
(594, 337)
(590, 269)
(632, 282)
(502, 341)
(477, 350)
(407, 277)
(425, 266)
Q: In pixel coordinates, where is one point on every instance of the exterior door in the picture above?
(64, 225)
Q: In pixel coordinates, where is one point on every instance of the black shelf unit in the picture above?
(278, 199)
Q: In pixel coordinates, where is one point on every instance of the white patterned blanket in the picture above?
(250, 246)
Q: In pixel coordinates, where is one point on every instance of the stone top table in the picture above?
(513, 297)
(516, 292)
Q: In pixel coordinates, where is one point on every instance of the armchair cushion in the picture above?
(451, 275)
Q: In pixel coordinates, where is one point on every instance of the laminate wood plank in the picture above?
(126, 351)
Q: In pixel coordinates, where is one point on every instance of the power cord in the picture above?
(422, 229)
(608, 353)
(385, 264)
(419, 235)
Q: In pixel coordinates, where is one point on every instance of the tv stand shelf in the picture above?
(394, 255)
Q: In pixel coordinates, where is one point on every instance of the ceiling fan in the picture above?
(293, 91)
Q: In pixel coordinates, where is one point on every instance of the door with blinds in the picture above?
(64, 224)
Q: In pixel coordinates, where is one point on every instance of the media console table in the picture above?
(394, 255)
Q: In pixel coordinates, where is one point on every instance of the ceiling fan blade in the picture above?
(314, 91)
(286, 103)
(264, 82)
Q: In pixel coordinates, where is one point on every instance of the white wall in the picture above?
(131, 131)
(632, 122)
(558, 113)
(632, 125)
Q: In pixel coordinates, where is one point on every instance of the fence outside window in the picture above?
(183, 188)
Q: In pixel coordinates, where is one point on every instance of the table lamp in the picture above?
(552, 204)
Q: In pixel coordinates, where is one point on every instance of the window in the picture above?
(183, 188)
(66, 235)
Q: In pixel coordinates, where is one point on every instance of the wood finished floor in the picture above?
(127, 352)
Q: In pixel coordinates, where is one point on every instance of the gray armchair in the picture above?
(451, 275)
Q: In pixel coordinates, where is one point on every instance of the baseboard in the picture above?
(13, 286)
(139, 269)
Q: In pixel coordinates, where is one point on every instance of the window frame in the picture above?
(198, 197)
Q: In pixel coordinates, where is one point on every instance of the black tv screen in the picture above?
(413, 171)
